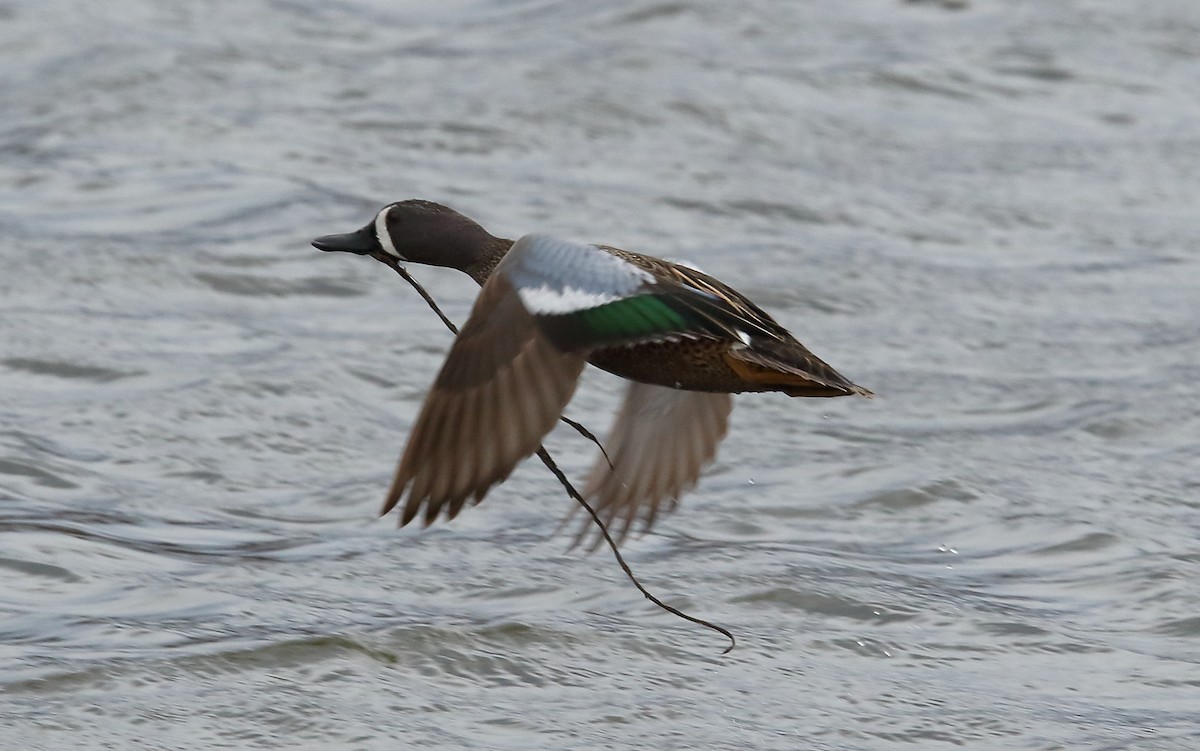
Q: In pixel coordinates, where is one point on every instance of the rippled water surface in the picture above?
(984, 211)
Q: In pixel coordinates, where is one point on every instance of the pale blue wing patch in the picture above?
(554, 276)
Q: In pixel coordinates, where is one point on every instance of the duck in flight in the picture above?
(685, 342)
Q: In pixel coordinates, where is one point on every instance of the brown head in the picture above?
(423, 232)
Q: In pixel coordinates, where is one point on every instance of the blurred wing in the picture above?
(661, 440)
(501, 389)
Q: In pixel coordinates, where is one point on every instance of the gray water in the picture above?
(984, 211)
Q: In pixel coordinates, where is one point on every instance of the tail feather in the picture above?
(805, 374)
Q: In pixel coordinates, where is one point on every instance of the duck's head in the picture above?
(421, 232)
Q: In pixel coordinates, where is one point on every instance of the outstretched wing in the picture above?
(661, 440)
(515, 366)
(501, 389)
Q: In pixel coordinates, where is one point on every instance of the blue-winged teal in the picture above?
(685, 340)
